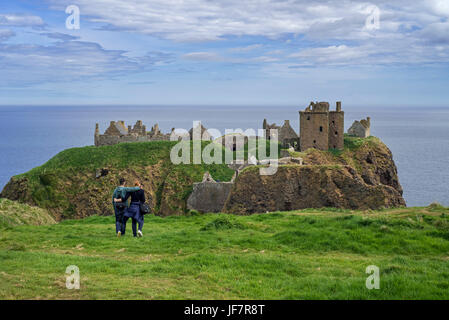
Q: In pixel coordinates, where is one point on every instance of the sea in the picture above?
(417, 136)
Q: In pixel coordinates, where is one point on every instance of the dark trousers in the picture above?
(135, 222)
(119, 213)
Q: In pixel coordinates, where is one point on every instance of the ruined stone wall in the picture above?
(314, 130)
(336, 129)
(209, 196)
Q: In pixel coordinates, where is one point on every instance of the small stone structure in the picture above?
(117, 132)
(320, 128)
(200, 131)
(209, 195)
(361, 129)
(233, 142)
(287, 137)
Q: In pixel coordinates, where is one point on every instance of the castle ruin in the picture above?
(287, 137)
(117, 132)
(321, 128)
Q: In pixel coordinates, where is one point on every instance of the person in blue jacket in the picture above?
(120, 205)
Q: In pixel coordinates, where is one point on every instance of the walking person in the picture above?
(134, 210)
(120, 204)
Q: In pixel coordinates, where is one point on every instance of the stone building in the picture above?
(233, 142)
(287, 137)
(117, 132)
(321, 128)
(361, 129)
(200, 131)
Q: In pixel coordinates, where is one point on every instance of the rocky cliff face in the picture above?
(361, 177)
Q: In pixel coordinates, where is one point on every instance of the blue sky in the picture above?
(228, 52)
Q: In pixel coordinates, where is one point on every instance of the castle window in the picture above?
(336, 133)
(333, 122)
(308, 117)
(314, 141)
(321, 129)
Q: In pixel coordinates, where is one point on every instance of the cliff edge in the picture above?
(362, 176)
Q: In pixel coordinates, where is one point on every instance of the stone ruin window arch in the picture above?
(321, 128)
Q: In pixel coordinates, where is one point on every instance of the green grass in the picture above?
(14, 214)
(309, 254)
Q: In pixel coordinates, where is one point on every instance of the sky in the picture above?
(224, 52)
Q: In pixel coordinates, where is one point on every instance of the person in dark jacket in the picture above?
(119, 194)
(133, 212)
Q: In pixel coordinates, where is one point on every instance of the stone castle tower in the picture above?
(320, 128)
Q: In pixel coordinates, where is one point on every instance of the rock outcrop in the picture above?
(365, 178)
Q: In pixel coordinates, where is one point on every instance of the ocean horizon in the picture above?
(417, 136)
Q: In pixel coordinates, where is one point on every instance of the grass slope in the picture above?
(13, 214)
(309, 254)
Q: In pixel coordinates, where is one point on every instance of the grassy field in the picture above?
(309, 254)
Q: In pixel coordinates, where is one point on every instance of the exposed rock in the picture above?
(101, 173)
(207, 177)
(209, 196)
(300, 187)
(363, 179)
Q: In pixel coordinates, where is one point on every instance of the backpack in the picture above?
(121, 205)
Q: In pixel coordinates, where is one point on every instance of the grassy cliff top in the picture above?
(125, 155)
(120, 156)
(308, 254)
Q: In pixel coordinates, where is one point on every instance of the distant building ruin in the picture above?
(287, 137)
(117, 132)
(361, 129)
(200, 132)
(321, 128)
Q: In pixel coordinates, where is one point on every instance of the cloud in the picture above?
(5, 34)
(440, 7)
(332, 54)
(340, 26)
(202, 20)
(436, 33)
(246, 49)
(14, 20)
(24, 65)
(60, 36)
(202, 56)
